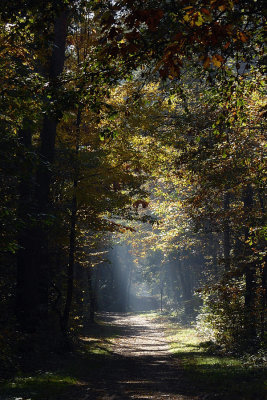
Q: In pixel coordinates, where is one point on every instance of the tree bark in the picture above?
(250, 275)
(263, 272)
(186, 286)
(174, 281)
(226, 232)
(91, 296)
(129, 284)
(213, 243)
(47, 150)
(71, 263)
(33, 260)
(26, 289)
(73, 222)
(263, 298)
(161, 298)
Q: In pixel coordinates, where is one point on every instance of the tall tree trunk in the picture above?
(47, 150)
(263, 272)
(161, 297)
(129, 284)
(263, 298)
(174, 281)
(213, 242)
(250, 275)
(71, 263)
(33, 263)
(226, 231)
(26, 290)
(91, 295)
(186, 286)
(73, 222)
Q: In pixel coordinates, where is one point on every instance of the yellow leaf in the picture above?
(186, 18)
(199, 21)
(216, 62)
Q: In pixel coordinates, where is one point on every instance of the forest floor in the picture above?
(138, 356)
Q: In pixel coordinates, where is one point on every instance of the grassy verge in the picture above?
(43, 385)
(61, 376)
(227, 377)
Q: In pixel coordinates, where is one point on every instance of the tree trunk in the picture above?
(174, 281)
(71, 263)
(213, 244)
(91, 296)
(47, 150)
(73, 222)
(129, 284)
(161, 298)
(27, 289)
(263, 273)
(250, 276)
(263, 298)
(186, 286)
(226, 232)
(33, 263)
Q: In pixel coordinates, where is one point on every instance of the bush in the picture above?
(221, 317)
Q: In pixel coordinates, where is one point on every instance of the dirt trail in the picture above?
(141, 366)
(145, 337)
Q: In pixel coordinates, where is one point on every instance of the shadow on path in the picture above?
(127, 356)
(141, 366)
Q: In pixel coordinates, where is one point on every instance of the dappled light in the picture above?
(133, 200)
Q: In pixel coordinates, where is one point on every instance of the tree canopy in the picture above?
(132, 154)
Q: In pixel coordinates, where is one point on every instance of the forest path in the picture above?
(141, 365)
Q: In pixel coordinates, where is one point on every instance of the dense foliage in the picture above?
(140, 123)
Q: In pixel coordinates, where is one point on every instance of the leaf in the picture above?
(199, 20)
(205, 11)
(243, 37)
(217, 60)
(207, 62)
(187, 17)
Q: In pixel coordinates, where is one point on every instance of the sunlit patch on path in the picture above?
(145, 338)
(142, 366)
(138, 356)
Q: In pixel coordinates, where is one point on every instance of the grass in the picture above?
(228, 377)
(146, 314)
(45, 385)
(62, 375)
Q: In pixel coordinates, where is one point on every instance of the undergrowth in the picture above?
(209, 371)
(59, 374)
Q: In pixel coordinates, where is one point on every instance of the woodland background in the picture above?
(132, 166)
